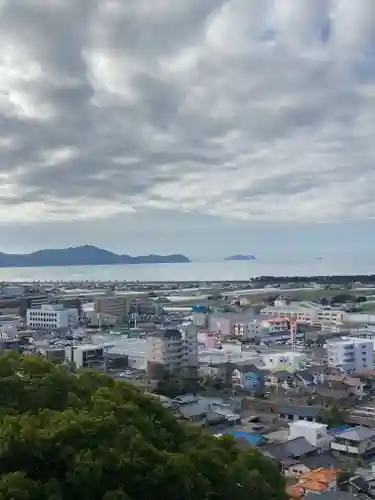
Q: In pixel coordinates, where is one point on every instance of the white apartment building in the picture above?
(52, 317)
(305, 312)
(315, 433)
(284, 361)
(354, 355)
(172, 349)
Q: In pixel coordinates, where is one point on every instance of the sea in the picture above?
(196, 271)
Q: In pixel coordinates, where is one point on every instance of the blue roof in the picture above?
(253, 439)
(339, 429)
(199, 308)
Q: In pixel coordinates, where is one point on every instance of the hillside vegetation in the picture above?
(87, 437)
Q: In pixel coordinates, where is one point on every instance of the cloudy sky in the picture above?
(207, 127)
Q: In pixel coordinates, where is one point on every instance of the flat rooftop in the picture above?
(308, 425)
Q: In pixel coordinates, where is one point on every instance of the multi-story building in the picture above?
(273, 325)
(200, 318)
(305, 312)
(354, 355)
(52, 317)
(245, 325)
(315, 433)
(33, 301)
(113, 305)
(357, 441)
(171, 350)
(85, 355)
(284, 361)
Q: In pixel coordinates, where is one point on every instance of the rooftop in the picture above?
(359, 433)
(308, 425)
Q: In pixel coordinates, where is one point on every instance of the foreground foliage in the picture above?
(86, 436)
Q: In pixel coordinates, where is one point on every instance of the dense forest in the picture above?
(86, 436)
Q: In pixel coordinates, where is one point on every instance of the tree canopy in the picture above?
(86, 436)
(333, 416)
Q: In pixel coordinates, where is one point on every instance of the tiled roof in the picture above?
(359, 433)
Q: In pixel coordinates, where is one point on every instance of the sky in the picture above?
(202, 127)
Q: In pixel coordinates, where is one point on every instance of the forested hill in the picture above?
(84, 436)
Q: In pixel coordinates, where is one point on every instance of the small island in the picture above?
(86, 255)
(241, 257)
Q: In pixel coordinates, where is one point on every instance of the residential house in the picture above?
(315, 433)
(222, 371)
(359, 484)
(295, 412)
(358, 441)
(194, 412)
(280, 380)
(316, 482)
(289, 453)
(249, 377)
(354, 385)
(333, 392)
(311, 376)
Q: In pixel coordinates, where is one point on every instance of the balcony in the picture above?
(344, 448)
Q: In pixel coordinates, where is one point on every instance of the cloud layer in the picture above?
(251, 109)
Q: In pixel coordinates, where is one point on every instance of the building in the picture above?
(91, 318)
(10, 320)
(354, 355)
(200, 318)
(12, 290)
(190, 346)
(207, 339)
(244, 325)
(284, 361)
(113, 305)
(32, 301)
(296, 412)
(171, 350)
(305, 312)
(85, 355)
(52, 317)
(315, 433)
(276, 324)
(71, 303)
(358, 441)
(248, 376)
(315, 482)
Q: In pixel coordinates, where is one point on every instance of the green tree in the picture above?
(333, 416)
(86, 436)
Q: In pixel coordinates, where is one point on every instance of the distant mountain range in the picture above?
(241, 257)
(86, 255)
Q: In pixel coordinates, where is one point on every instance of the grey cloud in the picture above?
(183, 105)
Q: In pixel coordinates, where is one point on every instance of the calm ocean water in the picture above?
(196, 271)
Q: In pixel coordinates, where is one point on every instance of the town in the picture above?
(284, 366)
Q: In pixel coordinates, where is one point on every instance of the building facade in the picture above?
(288, 361)
(32, 302)
(315, 433)
(85, 355)
(52, 317)
(171, 350)
(354, 355)
(113, 305)
(308, 313)
(229, 324)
